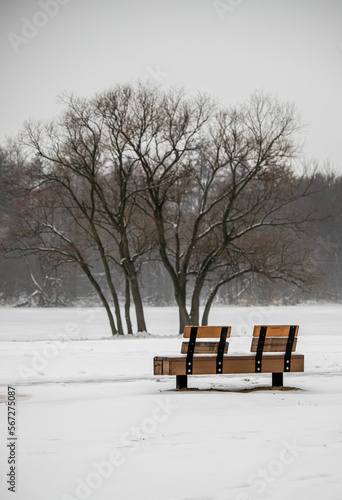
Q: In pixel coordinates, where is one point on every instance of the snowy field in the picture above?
(93, 422)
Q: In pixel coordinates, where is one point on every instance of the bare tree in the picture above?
(219, 193)
(157, 130)
(95, 177)
(48, 218)
(213, 181)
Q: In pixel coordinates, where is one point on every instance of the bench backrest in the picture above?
(196, 344)
(275, 338)
(271, 338)
(204, 339)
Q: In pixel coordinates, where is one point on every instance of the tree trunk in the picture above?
(132, 279)
(196, 294)
(102, 297)
(208, 305)
(110, 317)
(139, 309)
(194, 312)
(184, 318)
(108, 277)
(117, 312)
(131, 276)
(127, 307)
(114, 295)
(178, 280)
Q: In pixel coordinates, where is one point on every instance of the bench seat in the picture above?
(205, 365)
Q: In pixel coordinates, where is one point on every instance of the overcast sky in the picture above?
(227, 48)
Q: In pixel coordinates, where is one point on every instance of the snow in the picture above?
(93, 422)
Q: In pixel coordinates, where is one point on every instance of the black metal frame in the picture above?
(277, 379)
(191, 349)
(289, 346)
(220, 350)
(260, 348)
(181, 381)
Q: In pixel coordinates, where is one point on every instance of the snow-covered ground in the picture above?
(93, 422)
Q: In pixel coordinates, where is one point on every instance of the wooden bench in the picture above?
(206, 350)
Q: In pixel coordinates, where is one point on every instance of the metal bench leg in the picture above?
(277, 379)
(181, 381)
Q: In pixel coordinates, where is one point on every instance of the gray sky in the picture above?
(227, 48)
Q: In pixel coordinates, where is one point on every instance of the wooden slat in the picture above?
(166, 366)
(204, 347)
(206, 332)
(275, 331)
(158, 367)
(161, 365)
(233, 365)
(273, 344)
